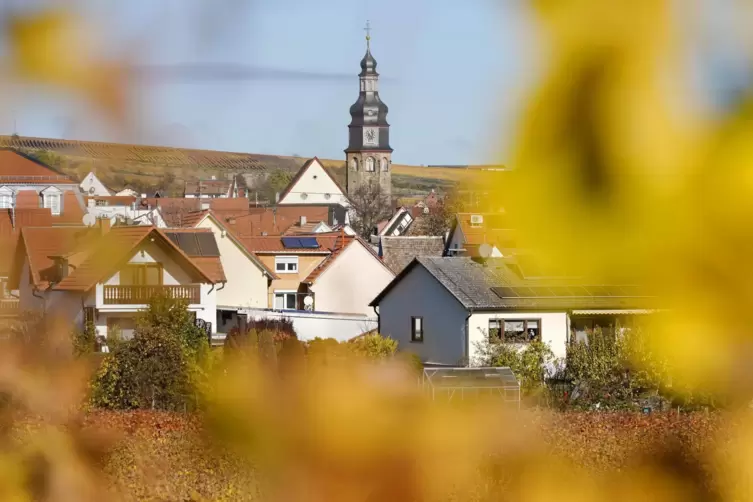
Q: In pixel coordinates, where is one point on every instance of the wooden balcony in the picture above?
(141, 295)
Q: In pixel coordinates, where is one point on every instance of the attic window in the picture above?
(6, 200)
(304, 196)
(51, 201)
(327, 196)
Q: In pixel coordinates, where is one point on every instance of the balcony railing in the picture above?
(9, 306)
(141, 295)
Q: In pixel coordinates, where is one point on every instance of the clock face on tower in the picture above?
(370, 136)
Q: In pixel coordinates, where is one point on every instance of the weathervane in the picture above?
(368, 34)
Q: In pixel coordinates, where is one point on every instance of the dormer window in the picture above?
(51, 199)
(6, 198)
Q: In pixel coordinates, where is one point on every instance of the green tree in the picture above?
(158, 368)
(374, 346)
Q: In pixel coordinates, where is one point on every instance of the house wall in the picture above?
(150, 252)
(457, 241)
(91, 181)
(420, 294)
(310, 325)
(290, 282)
(350, 283)
(27, 300)
(554, 329)
(66, 307)
(246, 283)
(315, 183)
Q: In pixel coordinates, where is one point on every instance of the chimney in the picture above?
(303, 220)
(104, 225)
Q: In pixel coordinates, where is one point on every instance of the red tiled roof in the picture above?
(341, 244)
(273, 244)
(112, 249)
(27, 199)
(19, 168)
(39, 245)
(72, 213)
(11, 223)
(229, 204)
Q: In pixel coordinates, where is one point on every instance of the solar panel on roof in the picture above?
(291, 242)
(187, 242)
(207, 244)
(173, 237)
(309, 242)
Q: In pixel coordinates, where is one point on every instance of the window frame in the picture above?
(287, 260)
(47, 203)
(413, 331)
(141, 269)
(284, 293)
(502, 321)
(6, 196)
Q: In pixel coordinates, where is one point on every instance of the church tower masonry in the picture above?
(369, 156)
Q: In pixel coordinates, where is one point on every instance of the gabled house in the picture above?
(27, 182)
(92, 186)
(313, 185)
(107, 275)
(484, 235)
(443, 309)
(332, 273)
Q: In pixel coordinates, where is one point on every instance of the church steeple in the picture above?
(369, 154)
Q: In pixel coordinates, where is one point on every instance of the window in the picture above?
(384, 164)
(52, 202)
(6, 200)
(518, 330)
(417, 329)
(149, 274)
(354, 164)
(286, 264)
(495, 330)
(370, 164)
(285, 300)
(101, 202)
(327, 196)
(304, 196)
(122, 327)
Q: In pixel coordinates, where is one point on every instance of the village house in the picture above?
(92, 186)
(484, 235)
(443, 309)
(106, 275)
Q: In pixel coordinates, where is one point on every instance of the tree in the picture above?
(273, 184)
(436, 223)
(370, 205)
(159, 367)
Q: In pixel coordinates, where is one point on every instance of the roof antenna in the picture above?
(368, 34)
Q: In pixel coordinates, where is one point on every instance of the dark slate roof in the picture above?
(497, 285)
(398, 251)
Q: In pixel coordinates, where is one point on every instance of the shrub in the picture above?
(159, 367)
(531, 364)
(374, 346)
(85, 341)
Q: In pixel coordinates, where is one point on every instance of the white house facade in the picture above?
(313, 185)
(92, 186)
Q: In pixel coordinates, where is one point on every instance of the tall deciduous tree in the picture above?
(370, 205)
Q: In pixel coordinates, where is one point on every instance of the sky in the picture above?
(453, 75)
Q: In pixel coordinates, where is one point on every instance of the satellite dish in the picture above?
(308, 302)
(90, 220)
(485, 250)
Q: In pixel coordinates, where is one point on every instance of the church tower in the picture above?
(369, 156)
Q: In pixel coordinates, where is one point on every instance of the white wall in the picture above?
(91, 181)
(315, 183)
(554, 328)
(310, 325)
(420, 294)
(246, 283)
(354, 279)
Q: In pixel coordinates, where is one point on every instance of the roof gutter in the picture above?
(468, 337)
(379, 319)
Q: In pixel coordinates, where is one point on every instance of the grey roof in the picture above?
(497, 285)
(398, 251)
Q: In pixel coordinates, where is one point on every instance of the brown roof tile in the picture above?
(115, 247)
(398, 251)
(273, 244)
(16, 167)
(39, 245)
